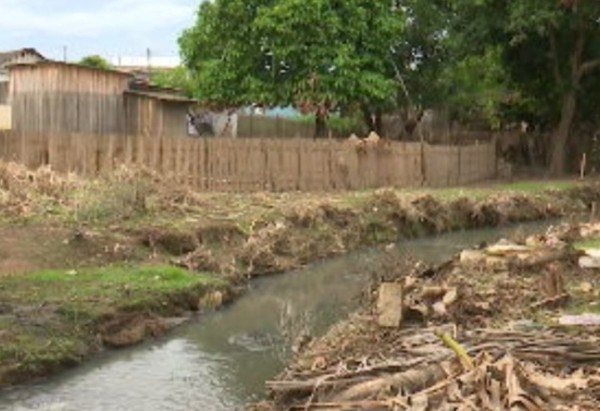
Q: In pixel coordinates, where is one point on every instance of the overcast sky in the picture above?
(107, 27)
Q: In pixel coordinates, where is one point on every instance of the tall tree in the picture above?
(569, 33)
(317, 55)
(420, 53)
(550, 48)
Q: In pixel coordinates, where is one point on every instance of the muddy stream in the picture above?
(220, 361)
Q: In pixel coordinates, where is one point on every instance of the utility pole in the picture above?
(65, 54)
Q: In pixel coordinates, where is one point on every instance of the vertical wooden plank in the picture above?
(210, 163)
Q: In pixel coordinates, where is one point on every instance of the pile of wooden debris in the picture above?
(485, 331)
(494, 371)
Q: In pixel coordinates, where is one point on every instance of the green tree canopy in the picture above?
(178, 78)
(316, 55)
(95, 61)
(534, 60)
(549, 51)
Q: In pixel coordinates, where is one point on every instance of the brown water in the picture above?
(220, 361)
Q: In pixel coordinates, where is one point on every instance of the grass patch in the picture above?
(537, 187)
(475, 192)
(587, 244)
(51, 317)
(478, 192)
(99, 286)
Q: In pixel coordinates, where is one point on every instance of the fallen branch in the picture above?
(540, 260)
(409, 381)
(554, 302)
(346, 405)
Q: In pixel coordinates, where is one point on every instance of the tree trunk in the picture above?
(379, 123)
(569, 105)
(320, 125)
(368, 118)
(373, 121)
(561, 135)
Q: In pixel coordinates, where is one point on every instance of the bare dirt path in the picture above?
(31, 247)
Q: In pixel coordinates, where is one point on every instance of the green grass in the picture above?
(537, 186)
(52, 315)
(359, 198)
(587, 244)
(521, 187)
(99, 286)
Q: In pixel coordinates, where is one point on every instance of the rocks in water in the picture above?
(127, 330)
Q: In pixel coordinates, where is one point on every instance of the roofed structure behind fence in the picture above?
(59, 97)
(8, 58)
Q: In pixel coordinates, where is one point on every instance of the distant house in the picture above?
(7, 58)
(26, 55)
(56, 97)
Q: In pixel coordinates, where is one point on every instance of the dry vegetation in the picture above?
(481, 331)
(134, 217)
(261, 233)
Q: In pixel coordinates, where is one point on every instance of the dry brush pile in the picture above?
(261, 233)
(26, 193)
(324, 228)
(480, 332)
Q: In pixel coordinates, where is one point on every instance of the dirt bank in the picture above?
(494, 328)
(135, 218)
(303, 230)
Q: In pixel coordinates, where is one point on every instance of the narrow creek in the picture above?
(220, 361)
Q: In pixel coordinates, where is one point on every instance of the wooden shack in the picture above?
(58, 97)
(8, 58)
(149, 110)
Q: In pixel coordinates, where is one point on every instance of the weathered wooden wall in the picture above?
(3, 92)
(142, 114)
(174, 119)
(243, 165)
(5, 117)
(58, 98)
(151, 116)
(54, 97)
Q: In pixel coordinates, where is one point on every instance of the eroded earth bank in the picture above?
(92, 264)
